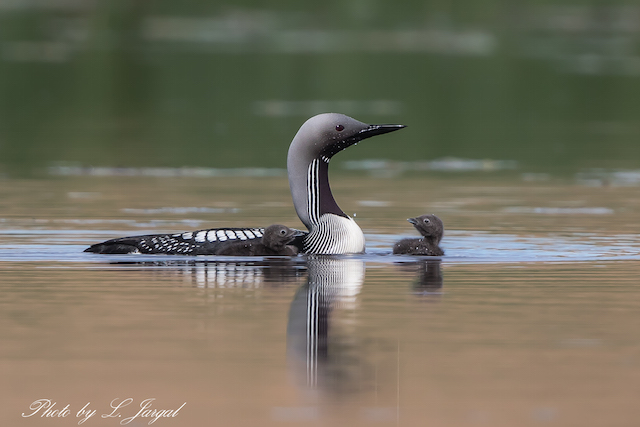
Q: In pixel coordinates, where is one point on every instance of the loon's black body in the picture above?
(432, 229)
(331, 231)
(273, 240)
(201, 242)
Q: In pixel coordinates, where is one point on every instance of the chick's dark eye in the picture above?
(339, 128)
(426, 221)
(283, 232)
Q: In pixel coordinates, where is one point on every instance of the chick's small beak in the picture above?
(297, 233)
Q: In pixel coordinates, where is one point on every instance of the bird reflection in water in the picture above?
(321, 353)
(233, 273)
(325, 350)
(429, 280)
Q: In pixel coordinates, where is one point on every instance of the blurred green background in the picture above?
(552, 87)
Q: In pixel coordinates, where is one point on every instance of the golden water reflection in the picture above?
(372, 339)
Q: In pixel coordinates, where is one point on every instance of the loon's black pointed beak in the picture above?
(374, 130)
(413, 221)
(368, 132)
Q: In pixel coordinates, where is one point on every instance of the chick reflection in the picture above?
(314, 359)
(430, 280)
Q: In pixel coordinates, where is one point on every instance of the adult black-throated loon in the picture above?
(331, 231)
(432, 229)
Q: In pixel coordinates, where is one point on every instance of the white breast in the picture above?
(333, 235)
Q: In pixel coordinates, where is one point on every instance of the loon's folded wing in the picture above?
(201, 242)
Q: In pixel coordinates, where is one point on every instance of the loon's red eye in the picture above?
(339, 128)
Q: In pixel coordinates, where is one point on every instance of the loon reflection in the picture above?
(268, 272)
(341, 276)
(324, 352)
(332, 283)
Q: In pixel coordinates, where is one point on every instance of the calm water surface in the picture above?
(530, 318)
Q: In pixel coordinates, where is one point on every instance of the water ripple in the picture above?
(460, 247)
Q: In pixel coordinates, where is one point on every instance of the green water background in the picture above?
(553, 86)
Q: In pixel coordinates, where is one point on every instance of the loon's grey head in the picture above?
(327, 134)
(317, 141)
